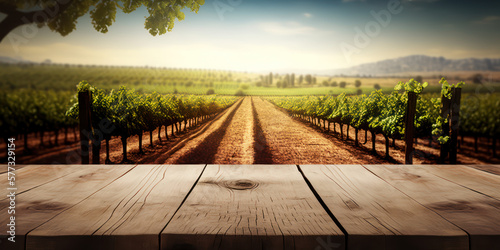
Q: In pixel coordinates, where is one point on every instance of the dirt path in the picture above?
(291, 142)
(251, 131)
(256, 132)
(203, 145)
(237, 144)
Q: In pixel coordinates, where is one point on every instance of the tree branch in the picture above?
(9, 23)
(16, 18)
(8, 9)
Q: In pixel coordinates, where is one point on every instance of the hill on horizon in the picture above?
(421, 63)
(414, 64)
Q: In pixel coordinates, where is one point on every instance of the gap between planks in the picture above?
(475, 188)
(129, 213)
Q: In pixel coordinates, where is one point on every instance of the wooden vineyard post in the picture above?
(386, 146)
(455, 123)
(356, 137)
(96, 151)
(494, 147)
(445, 111)
(85, 125)
(409, 126)
(374, 150)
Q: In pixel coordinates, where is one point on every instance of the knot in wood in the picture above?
(241, 184)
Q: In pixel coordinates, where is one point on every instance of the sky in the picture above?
(277, 35)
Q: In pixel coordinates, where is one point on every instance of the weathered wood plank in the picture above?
(37, 206)
(474, 212)
(473, 179)
(32, 176)
(251, 207)
(377, 215)
(4, 169)
(492, 169)
(130, 213)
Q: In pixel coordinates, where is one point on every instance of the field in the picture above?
(252, 130)
(197, 81)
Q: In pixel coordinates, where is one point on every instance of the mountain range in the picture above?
(10, 60)
(420, 64)
(402, 65)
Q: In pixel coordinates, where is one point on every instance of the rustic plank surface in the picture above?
(4, 168)
(39, 205)
(32, 176)
(492, 169)
(252, 207)
(130, 213)
(377, 215)
(477, 214)
(473, 179)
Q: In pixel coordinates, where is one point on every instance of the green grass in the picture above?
(148, 80)
(304, 91)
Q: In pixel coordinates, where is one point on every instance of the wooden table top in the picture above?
(253, 207)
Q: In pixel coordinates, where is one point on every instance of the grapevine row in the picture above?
(124, 113)
(480, 117)
(376, 113)
(26, 111)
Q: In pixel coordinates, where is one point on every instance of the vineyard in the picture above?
(384, 114)
(144, 80)
(123, 117)
(24, 112)
(480, 117)
(125, 113)
(62, 77)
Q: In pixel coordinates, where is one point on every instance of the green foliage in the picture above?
(84, 86)
(377, 112)
(162, 14)
(446, 88)
(131, 113)
(309, 79)
(381, 113)
(437, 129)
(25, 111)
(480, 115)
(239, 92)
(411, 86)
(244, 86)
(357, 83)
(162, 80)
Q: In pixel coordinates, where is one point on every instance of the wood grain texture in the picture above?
(33, 176)
(477, 214)
(492, 169)
(251, 207)
(37, 206)
(130, 213)
(377, 215)
(473, 179)
(4, 169)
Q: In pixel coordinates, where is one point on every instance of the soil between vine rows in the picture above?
(252, 131)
